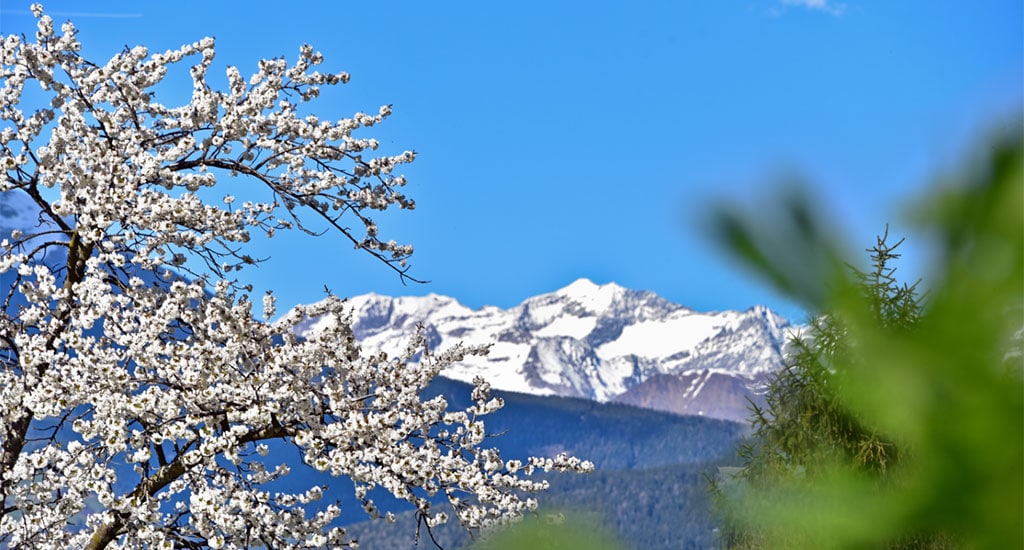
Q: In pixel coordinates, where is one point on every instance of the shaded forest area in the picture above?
(649, 488)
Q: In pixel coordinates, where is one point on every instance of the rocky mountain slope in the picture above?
(600, 342)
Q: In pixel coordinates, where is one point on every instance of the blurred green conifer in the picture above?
(899, 419)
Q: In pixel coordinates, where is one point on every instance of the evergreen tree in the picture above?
(804, 424)
(898, 422)
(805, 429)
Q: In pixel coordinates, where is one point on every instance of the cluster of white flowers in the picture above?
(136, 406)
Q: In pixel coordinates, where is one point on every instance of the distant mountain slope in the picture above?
(648, 488)
(599, 342)
(703, 393)
(664, 508)
(613, 436)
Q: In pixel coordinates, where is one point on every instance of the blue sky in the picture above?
(588, 139)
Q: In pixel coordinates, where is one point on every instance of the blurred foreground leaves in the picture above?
(549, 533)
(911, 429)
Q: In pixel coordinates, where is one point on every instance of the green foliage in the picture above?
(898, 422)
(551, 534)
(805, 425)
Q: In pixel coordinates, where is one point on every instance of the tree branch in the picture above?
(149, 487)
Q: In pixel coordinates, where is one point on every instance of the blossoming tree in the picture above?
(141, 399)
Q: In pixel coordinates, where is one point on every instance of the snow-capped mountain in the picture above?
(601, 342)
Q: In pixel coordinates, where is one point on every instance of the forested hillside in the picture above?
(649, 487)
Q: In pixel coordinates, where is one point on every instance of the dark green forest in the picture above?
(649, 488)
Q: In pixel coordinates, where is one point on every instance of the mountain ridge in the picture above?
(600, 342)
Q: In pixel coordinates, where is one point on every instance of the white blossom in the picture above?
(139, 393)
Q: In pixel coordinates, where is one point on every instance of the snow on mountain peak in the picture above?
(584, 340)
(582, 285)
(590, 295)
